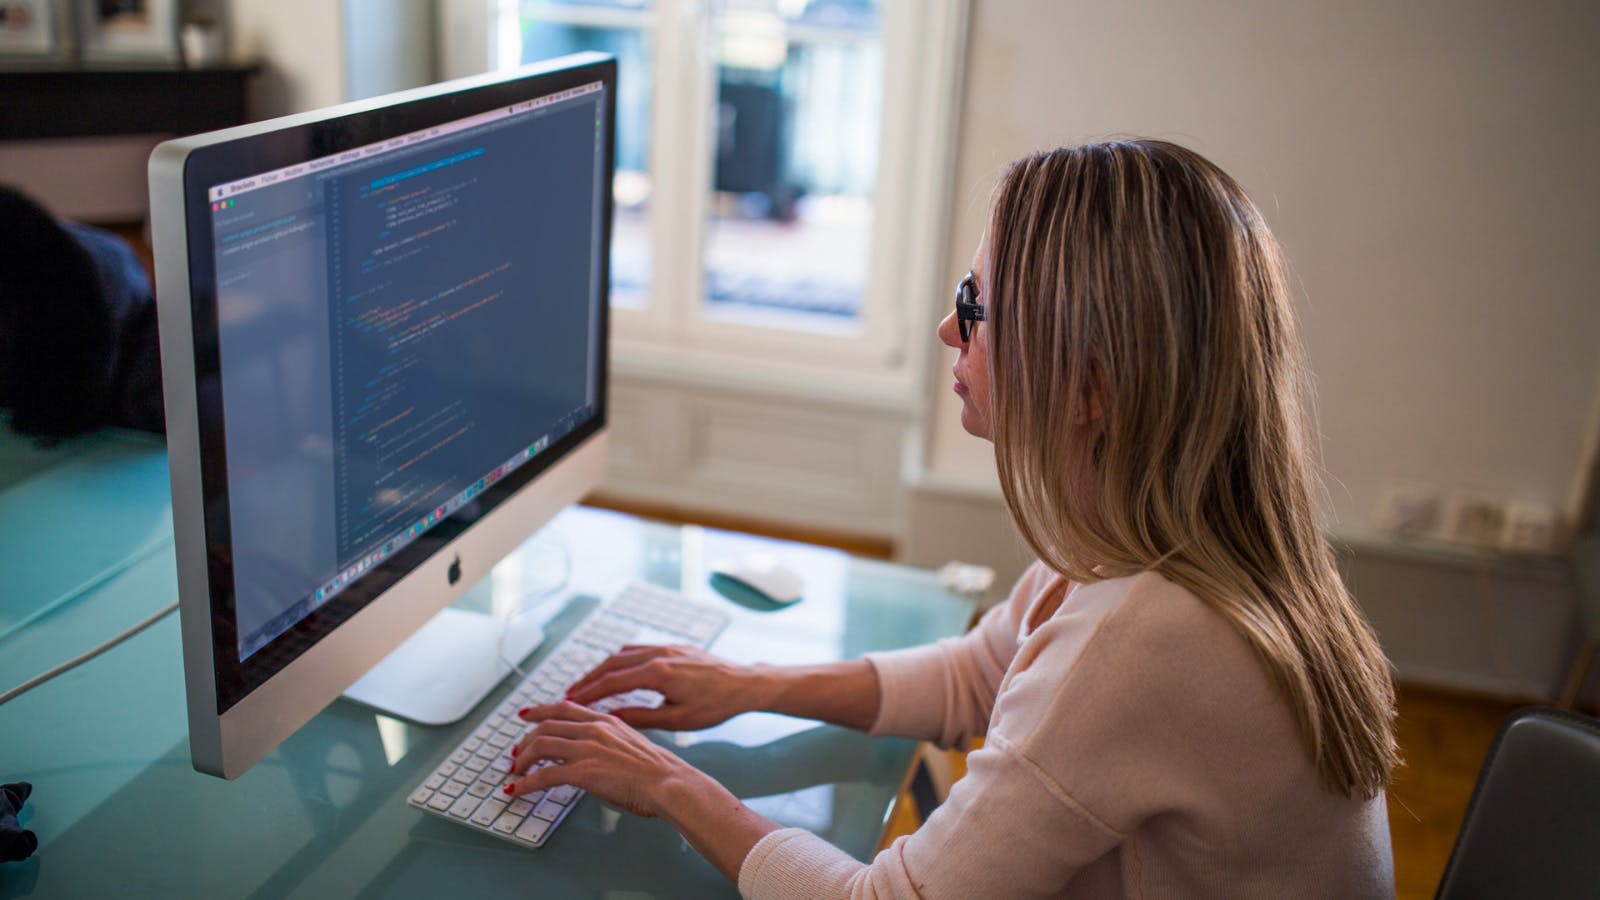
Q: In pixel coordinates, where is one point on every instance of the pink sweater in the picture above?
(1135, 748)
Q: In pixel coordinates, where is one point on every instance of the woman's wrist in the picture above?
(715, 822)
(762, 686)
(843, 693)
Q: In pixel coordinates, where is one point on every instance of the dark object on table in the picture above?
(16, 842)
(78, 343)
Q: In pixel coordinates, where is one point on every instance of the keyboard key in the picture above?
(520, 806)
(434, 782)
(440, 801)
(488, 812)
(533, 830)
(563, 794)
(507, 822)
(480, 789)
(548, 809)
(419, 797)
(464, 807)
(453, 788)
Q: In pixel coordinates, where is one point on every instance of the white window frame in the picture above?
(883, 363)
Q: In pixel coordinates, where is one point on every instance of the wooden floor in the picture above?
(1443, 738)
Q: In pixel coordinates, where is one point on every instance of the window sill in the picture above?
(889, 391)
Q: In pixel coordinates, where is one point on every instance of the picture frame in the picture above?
(28, 30)
(138, 31)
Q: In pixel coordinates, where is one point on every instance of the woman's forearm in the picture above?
(714, 822)
(843, 693)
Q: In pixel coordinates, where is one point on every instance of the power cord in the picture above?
(79, 660)
(99, 579)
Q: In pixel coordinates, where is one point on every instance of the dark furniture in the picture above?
(79, 101)
(1533, 826)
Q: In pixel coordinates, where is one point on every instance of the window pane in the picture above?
(799, 103)
(556, 27)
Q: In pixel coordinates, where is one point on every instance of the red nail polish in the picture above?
(509, 789)
(525, 710)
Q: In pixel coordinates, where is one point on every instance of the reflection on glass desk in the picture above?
(120, 812)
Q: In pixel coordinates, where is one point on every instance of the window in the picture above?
(781, 181)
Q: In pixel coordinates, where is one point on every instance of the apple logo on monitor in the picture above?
(454, 574)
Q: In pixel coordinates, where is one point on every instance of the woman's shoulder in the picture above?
(1139, 638)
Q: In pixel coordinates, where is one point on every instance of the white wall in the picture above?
(391, 46)
(1428, 167)
(300, 45)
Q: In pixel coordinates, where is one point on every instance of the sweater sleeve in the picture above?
(984, 841)
(944, 692)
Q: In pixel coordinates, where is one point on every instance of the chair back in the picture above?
(1532, 828)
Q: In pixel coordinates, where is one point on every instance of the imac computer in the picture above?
(383, 340)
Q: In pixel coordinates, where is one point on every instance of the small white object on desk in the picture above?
(765, 574)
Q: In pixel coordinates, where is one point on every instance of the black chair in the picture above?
(1533, 826)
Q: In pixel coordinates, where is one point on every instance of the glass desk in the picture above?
(120, 812)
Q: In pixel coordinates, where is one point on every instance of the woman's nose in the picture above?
(949, 331)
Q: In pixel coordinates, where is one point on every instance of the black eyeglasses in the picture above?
(968, 309)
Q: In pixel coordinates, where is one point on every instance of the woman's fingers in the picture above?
(542, 779)
(629, 656)
(565, 710)
(642, 717)
(546, 746)
(618, 681)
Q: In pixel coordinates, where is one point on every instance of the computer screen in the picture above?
(384, 331)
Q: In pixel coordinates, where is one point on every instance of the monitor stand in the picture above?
(440, 673)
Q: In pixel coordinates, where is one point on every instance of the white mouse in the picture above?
(765, 574)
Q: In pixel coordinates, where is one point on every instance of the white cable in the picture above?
(100, 578)
(77, 661)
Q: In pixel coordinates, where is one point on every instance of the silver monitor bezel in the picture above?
(227, 742)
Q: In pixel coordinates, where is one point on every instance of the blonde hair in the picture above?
(1135, 290)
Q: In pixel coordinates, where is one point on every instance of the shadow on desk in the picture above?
(326, 816)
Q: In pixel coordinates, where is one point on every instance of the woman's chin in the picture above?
(976, 423)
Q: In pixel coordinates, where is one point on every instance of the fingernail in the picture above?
(509, 789)
(525, 710)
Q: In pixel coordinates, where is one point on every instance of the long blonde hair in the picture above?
(1134, 289)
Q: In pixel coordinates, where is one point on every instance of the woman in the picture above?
(1180, 698)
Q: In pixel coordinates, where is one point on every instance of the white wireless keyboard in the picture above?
(465, 788)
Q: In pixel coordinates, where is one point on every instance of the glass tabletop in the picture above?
(119, 811)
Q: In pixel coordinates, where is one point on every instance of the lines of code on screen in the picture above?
(461, 286)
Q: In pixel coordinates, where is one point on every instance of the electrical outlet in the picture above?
(1409, 510)
(1533, 528)
(1475, 521)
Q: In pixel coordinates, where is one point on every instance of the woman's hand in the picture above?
(698, 689)
(620, 766)
(599, 754)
